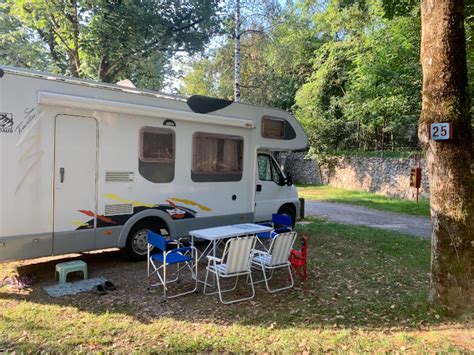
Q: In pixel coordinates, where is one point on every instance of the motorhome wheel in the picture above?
(136, 247)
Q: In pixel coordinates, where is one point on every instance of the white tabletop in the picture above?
(234, 230)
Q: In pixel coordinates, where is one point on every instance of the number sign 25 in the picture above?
(440, 131)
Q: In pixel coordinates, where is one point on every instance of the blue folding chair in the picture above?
(161, 259)
(280, 223)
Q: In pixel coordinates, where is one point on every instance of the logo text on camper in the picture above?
(6, 122)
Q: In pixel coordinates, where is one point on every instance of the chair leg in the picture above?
(219, 291)
(148, 270)
(189, 265)
(157, 272)
(190, 291)
(269, 289)
(219, 288)
(235, 285)
(196, 272)
(164, 281)
(251, 284)
(265, 278)
(164, 278)
(205, 281)
(236, 300)
(260, 266)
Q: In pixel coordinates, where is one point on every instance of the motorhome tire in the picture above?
(136, 246)
(288, 211)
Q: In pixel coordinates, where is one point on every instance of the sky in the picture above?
(181, 62)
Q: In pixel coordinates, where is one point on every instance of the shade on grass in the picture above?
(367, 291)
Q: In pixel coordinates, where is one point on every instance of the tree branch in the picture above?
(173, 30)
(252, 31)
(55, 29)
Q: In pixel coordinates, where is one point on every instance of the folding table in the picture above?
(215, 234)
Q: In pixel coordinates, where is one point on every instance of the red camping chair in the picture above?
(298, 259)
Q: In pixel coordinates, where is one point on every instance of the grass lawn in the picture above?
(367, 292)
(366, 199)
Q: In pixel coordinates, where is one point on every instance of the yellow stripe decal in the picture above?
(134, 203)
(80, 224)
(192, 203)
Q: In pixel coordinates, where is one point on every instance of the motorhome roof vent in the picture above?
(118, 209)
(119, 176)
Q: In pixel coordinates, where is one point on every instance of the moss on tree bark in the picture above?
(449, 163)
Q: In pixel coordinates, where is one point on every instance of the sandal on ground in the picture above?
(109, 286)
(99, 290)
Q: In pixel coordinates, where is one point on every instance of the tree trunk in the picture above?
(237, 52)
(75, 60)
(449, 163)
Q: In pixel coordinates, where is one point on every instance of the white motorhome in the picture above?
(86, 165)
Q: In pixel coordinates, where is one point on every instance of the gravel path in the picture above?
(350, 214)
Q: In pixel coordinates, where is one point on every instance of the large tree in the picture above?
(364, 90)
(450, 163)
(112, 39)
(276, 45)
(18, 45)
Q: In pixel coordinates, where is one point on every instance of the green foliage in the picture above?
(200, 81)
(365, 87)
(385, 89)
(215, 76)
(110, 40)
(469, 15)
(274, 54)
(18, 46)
(349, 70)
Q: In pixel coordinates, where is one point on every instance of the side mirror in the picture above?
(289, 179)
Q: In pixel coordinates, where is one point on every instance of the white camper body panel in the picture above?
(71, 177)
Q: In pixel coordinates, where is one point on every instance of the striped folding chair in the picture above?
(235, 261)
(275, 258)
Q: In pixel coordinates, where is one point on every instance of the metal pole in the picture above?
(383, 130)
(237, 52)
(417, 157)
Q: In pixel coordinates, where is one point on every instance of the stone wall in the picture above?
(387, 176)
(303, 170)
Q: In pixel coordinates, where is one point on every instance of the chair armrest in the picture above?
(256, 251)
(282, 230)
(177, 250)
(213, 258)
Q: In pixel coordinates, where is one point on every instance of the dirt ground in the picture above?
(132, 295)
(371, 285)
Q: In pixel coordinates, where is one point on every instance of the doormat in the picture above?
(72, 288)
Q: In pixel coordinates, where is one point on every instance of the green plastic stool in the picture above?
(62, 269)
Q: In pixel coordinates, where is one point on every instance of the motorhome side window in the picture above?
(157, 154)
(217, 157)
(264, 168)
(273, 127)
(268, 169)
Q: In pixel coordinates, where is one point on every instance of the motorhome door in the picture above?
(75, 192)
(271, 193)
